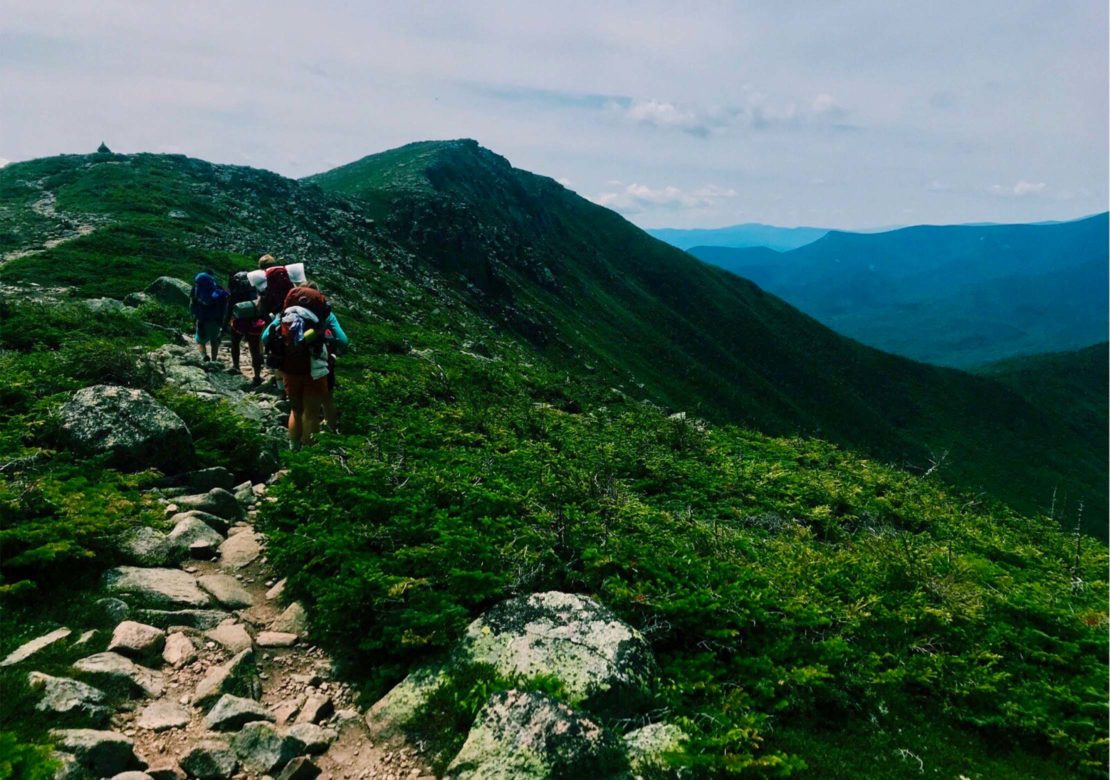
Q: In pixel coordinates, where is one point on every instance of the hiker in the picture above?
(296, 344)
(245, 322)
(278, 284)
(208, 304)
(337, 342)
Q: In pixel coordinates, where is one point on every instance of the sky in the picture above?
(830, 113)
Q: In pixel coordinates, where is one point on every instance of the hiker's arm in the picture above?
(338, 336)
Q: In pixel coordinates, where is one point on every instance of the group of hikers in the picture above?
(276, 311)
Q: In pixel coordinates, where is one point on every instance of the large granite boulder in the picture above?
(156, 588)
(209, 759)
(170, 291)
(118, 671)
(231, 713)
(69, 700)
(603, 663)
(261, 748)
(146, 546)
(135, 429)
(528, 735)
(649, 748)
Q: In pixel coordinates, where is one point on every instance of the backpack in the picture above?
(208, 298)
(239, 287)
(278, 286)
(296, 356)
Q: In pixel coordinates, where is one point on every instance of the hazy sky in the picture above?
(858, 113)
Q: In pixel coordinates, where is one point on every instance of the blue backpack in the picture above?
(209, 299)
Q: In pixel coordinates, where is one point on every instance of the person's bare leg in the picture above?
(310, 418)
(296, 425)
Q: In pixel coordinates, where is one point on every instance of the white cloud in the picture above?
(1018, 190)
(636, 198)
(754, 112)
(4, 162)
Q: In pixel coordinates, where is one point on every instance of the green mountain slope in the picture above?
(580, 281)
(813, 612)
(956, 295)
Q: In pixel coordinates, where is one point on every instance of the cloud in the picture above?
(4, 162)
(1018, 190)
(756, 112)
(636, 198)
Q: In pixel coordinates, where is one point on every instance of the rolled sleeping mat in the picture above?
(258, 279)
(245, 309)
(296, 273)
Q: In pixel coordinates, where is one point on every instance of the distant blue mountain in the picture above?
(739, 236)
(957, 295)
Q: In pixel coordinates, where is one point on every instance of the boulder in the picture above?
(146, 546)
(300, 768)
(189, 531)
(216, 501)
(134, 774)
(104, 753)
(244, 493)
(166, 770)
(294, 620)
(261, 748)
(315, 739)
(162, 715)
(156, 587)
(528, 735)
(388, 716)
(209, 759)
(201, 479)
(316, 708)
(603, 663)
(170, 291)
(114, 609)
(136, 299)
(28, 649)
(69, 700)
(277, 590)
(137, 640)
(136, 430)
(240, 550)
(231, 637)
(114, 669)
(647, 748)
(231, 713)
(179, 650)
(69, 768)
(215, 522)
(226, 590)
(237, 677)
(276, 639)
(201, 619)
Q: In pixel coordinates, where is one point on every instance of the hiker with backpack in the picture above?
(296, 345)
(336, 341)
(245, 322)
(208, 304)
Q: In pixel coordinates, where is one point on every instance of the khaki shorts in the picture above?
(302, 387)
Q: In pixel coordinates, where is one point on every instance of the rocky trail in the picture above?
(209, 672)
(220, 679)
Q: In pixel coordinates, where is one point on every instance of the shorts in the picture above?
(208, 331)
(301, 386)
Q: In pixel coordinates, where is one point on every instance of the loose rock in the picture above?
(201, 619)
(236, 677)
(115, 669)
(231, 636)
(162, 715)
(276, 639)
(226, 590)
(300, 768)
(188, 531)
(215, 522)
(647, 748)
(209, 759)
(315, 739)
(240, 550)
(316, 708)
(293, 620)
(233, 712)
(216, 501)
(179, 650)
(262, 749)
(137, 640)
(170, 291)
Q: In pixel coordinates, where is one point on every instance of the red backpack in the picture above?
(297, 358)
(278, 286)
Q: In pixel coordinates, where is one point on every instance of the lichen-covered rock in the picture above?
(170, 291)
(117, 670)
(315, 739)
(232, 637)
(188, 531)
(237, 677)
(104, 753)
(293, 620)
(215, 522)
(69, 700)
(201, 619)
(263, 749)
(216, 501)
(389, 714)
(129, 424)
(156, 587)
(146, 546)
(209, 759)
(603, 663)
(105, 305)
(648, 748)
(240, 550)
(528, 735)
(137, 640)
